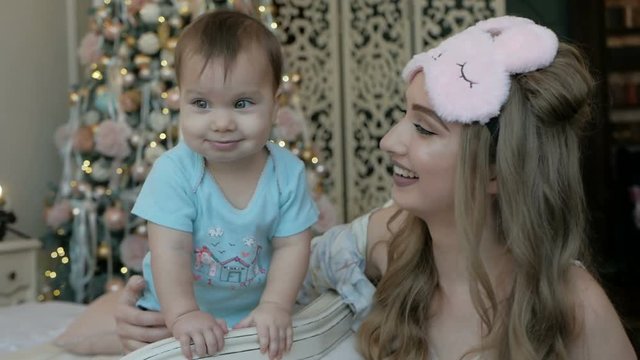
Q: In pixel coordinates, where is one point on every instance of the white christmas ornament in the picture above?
(101, 171)
(91, 117)
(150, 13)
(151, 153)
(158, 121)
(149, 43)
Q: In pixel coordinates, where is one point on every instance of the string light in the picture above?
(124, 71)
(274, 25)
(164, 95)
(164, 63)
(165, 111)
(153, 144)
(56, 292)
(75, 211)
(107, 2)
(60, 251)
(162, 136)
(64, 260)
(285, 78)
(161, 19)
(119, 171)
(262, 8)
(281, 143)
(314, 160)
(124, 270)
(97, 75)
(54, 255)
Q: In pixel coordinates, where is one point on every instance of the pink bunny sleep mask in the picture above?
(468, 75)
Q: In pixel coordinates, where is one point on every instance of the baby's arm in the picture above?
(171, 252)
(272, 317)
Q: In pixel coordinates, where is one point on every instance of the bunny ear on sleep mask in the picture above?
(468, 75)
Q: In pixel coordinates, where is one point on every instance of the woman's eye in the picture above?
(422, 130)
(200, 104)
(243, 104)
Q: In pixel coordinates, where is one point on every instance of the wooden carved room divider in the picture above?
(349, 55)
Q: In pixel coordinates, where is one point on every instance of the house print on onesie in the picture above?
(234, 268)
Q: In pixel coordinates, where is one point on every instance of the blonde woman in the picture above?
(489, 259)
(483, 253)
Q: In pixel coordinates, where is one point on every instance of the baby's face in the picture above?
(227, 119)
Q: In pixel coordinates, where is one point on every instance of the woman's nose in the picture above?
(393, 141)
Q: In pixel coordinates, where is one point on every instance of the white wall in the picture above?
(33, 103)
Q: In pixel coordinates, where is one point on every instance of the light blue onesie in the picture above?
(232, 247)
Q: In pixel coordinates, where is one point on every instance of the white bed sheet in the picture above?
(28, 329)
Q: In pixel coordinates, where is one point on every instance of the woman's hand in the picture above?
(137, 328)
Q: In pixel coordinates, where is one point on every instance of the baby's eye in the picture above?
(422, 130)
(243, 104)
(200, 104)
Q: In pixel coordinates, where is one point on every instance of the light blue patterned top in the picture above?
(232, 247)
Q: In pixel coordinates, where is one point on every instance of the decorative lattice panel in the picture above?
(350, 54)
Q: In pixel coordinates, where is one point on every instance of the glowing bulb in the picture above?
(262, 8)
(164, 63)
(124, 71)
(285, 78)
(56, 292)
(119, 171)
(162, 136)
(65, 260)
(165, 111)
(86, 163)
(60, 250)
(47, 273)
(281, 143)
(153, 144)
(124, 270)
(314, 160)
(274, 25)
(75, 211)
(54, 255)
(97, 75)
(161, 19)
(164, 95)
(53, 275)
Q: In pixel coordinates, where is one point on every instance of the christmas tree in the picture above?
(123, 116)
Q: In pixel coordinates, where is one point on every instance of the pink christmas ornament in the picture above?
(133, 248)
(58, 214)
(112, 139)
(90, 50)
(173, 99)
(83, 139)
(328, 217)
(114, 218)
(289, 124)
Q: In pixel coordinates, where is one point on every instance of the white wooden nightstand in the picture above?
(18, 267)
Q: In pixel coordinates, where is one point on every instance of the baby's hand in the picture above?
(206, 332)
(273, 322)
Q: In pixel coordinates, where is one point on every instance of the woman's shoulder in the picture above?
(598, 331)
(379, 234)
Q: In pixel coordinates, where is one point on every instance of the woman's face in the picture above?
(424, 151)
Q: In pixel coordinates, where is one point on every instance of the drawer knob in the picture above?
(12, 275)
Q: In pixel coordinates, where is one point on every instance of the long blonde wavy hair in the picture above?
(540, 216)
